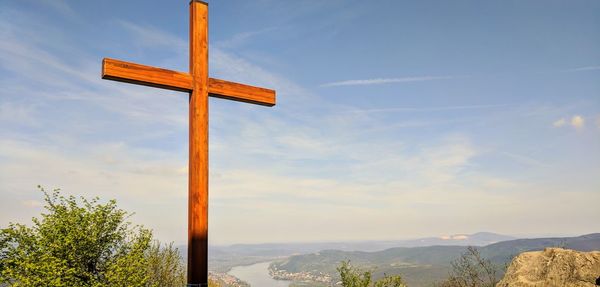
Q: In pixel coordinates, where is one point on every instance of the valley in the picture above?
(309, 265)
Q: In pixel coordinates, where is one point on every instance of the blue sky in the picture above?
(395, 119)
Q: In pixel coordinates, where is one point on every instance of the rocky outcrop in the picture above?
(553, 267)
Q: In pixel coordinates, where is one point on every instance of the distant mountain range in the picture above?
(221, 258)
(424, 265)
(434, 251)
(284, 249)
(476, 239)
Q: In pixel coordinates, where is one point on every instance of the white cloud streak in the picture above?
(428, 109)
(380, 81)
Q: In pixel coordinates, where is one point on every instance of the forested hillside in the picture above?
(421, 266)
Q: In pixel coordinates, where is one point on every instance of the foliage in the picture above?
(471, 270)
(165, 266)
(352, 277)
(212, 283)
(84, 243)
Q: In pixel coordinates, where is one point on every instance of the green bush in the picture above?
(85, 243)
(165, 266)
(353, 277)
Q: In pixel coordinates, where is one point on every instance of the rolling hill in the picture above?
(421, 266)
(223, 257)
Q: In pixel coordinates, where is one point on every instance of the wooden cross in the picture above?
(200, 87)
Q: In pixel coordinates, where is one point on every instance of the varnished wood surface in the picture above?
(240, 92)
(122, 71)
(198, 156)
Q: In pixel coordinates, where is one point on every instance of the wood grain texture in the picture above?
(240, 92)
(133, 73)
(198, 145)
(145, 75)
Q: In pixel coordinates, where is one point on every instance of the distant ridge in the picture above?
(282, 249)
(497, 247)
(506, 250)
(221, 258)
(423, 265)
(475, 239)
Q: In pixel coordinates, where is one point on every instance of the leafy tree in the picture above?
(471, 270)
(165, 266)
(353, 277)
(87, 244)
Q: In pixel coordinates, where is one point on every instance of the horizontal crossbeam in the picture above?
(172, 80)
(240, 92)
(122, 71)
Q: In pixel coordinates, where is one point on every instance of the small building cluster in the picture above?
(228, 280)
(304, 276)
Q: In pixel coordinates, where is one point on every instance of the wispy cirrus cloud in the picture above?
(63, 7)
(149, 36)
(241, 38)
(381, 81)
(428, 109)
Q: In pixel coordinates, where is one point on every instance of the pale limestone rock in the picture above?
(553, 267)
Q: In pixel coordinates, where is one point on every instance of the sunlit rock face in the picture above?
(553, 267)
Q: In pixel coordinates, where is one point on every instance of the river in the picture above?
(257, 275)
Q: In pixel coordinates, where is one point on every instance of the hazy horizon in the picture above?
(522, 236)
(395, 119)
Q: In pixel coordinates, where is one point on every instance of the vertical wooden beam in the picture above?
(198, 161)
